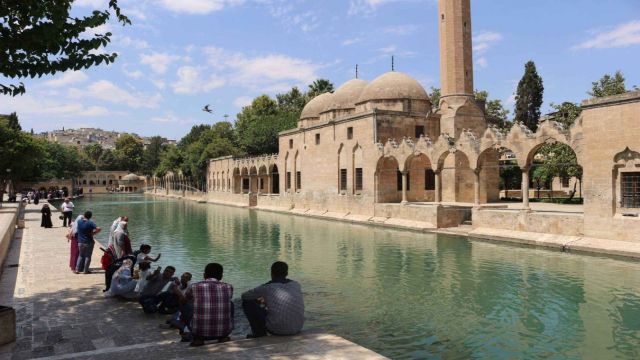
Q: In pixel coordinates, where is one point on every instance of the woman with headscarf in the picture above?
(122, 284)
(46, 217)
(112, 229)
(72, 237)
(121, 242)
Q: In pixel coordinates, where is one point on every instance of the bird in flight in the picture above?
(207, 109)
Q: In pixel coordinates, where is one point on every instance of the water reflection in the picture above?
(404, 294)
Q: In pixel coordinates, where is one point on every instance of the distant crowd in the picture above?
(200, 311)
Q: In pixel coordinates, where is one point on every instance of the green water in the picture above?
(404, 294)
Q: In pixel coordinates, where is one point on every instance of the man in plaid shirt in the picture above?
(212, 307)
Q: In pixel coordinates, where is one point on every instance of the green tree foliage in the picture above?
(129, 151)
(109, 161)
(258, 125)
(608, 85)
(435, 98)
(292, 101)
(559, 161)
(94, 152)
(20, 152)
(529, 97)
(60, 161)
(13, 122)
(566, 113)
(41, 37)
(494, 112)
(318, 87)
(170, 160)
(151, 155)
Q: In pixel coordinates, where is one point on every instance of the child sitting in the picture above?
(144, 271)
(143, 255)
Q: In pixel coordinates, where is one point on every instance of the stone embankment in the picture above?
(61, 315)
(562, 242)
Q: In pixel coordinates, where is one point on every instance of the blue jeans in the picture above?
(84, 257)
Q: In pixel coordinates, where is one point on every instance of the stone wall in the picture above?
(529, 221)
(8, 219)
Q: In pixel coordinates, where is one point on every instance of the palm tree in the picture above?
(320, 86)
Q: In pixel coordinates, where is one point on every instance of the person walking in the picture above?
(72, 238)
(67, 212)
(46, 217)
(87, 229)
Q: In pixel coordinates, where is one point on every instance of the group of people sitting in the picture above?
(201, 311)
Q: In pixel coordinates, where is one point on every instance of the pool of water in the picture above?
(400, 293)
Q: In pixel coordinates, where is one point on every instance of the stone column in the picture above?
(269, 184)
(476, 188)
(525, 188)
(258, 181)
(404, 187)
(438, 192)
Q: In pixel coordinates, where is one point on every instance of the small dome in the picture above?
(346, 96)
(315, 106)
(131, 177)
(391, 86)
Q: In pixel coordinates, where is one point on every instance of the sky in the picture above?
(179, 56)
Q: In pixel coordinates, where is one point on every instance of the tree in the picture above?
(151, 155)
(292, 101)
(318, 87)
(41, 37)
(94, 152)
(494, 112)
(13, 122)
(435, 98)
(608, 85)
(129, 152)
(529, 97)
(170, 160)
(559, 160)
(109, 161)
(566, 113)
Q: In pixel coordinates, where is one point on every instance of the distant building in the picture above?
(87, 136)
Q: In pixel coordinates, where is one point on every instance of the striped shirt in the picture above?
(211, 308)
(285, 306)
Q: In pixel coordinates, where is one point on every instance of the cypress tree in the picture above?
(529, 97)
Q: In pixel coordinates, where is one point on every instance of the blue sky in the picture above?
(180, 55)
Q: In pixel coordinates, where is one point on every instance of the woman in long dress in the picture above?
(72, 237)
(46, 217)
(121, 242)
(122, 284)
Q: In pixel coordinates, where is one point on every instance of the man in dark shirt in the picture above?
(153, 299)
(86, 231)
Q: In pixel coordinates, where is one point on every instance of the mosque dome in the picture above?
(131, 177)
(391, 86)
(346, 96)
(316, 106)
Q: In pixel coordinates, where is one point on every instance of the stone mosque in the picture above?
(379, 152)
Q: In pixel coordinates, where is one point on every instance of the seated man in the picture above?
(152, 298)
(276, 307)
(212, 317)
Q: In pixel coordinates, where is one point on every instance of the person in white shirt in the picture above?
(67, 212)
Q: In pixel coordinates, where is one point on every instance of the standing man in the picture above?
(87, 229)
(212, 307)
(67, 212)
(276, 307)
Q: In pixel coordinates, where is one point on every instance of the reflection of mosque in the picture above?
(380, 149)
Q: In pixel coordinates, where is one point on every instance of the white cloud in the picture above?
(623, 35)
(159, 62)
(401, 29)
(482, 42)
(37, 105)
(357, 7)
(127, 41)
(95, 4)
(170, 117)
(482, 62)
(388, 50)
(243, 101)
(68, 78)
(198, 7)
(136, 74)
(348, 42)
(191, 81)
(108, 91)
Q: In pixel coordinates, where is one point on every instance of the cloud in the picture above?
(624, 35)
(349, 42)
(37, 105)
(136, 74)
(127, 41)
(191, 81)
(243, 101)
(159, 62)
(68, 78)
(95, 4)
(401, 29)
(365, 7)
(482, 42)
(171, 118)
(108, 91)
(198, 7)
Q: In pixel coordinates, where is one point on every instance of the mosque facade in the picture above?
(379, 151)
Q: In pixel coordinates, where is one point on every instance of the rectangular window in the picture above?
(358, 179)
(419, 131)
(349, 133)
(298, 180)
(288, 184)
(429, 179)
(565, 182)
(261, 184)
(317, 139)
(245, 184)
(290, 143)
(630, 190)
(343, 179)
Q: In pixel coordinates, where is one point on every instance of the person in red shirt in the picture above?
(212, 307)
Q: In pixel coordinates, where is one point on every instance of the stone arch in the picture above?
(455, 168)
(386, 178)
(500, 174)
(420, 178)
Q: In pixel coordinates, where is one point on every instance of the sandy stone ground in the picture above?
(61, 315)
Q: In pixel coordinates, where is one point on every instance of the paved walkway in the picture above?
(63, 315)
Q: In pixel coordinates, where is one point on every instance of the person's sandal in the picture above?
(196, 343)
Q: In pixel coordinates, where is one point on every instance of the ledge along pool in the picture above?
(400, 293)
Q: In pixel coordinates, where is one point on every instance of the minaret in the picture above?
(456, 53)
